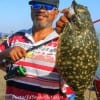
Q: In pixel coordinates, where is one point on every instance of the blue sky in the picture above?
(15, 14)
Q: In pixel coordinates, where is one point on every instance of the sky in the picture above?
(15, 14)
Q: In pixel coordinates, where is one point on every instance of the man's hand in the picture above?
(16, 53)
(63, 19)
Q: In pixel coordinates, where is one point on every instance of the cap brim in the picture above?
(44, 1)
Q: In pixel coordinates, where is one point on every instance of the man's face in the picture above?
(42, 17)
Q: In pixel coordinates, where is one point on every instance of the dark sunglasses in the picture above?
(37, 5)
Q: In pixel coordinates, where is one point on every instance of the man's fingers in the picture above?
(60, 24)
(23, 52)
(63, 19)
(65, 11)
(58, 30)
(17, 53)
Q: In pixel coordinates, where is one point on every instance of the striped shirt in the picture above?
(41, 74)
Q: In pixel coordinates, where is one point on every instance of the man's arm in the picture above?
(14, 53)
(3, 55)
(62, 20)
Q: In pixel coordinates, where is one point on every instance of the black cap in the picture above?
(52, 2)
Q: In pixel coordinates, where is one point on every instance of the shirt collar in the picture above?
(52, 35)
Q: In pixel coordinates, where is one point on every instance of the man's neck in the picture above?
(40, 34)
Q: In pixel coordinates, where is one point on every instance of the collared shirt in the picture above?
(41, 74)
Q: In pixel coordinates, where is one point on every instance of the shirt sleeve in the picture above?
(3, 45)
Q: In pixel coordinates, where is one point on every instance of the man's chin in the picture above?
(41, 26)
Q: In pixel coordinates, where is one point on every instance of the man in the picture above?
(41, 80)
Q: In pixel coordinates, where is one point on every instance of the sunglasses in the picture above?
(41, 5)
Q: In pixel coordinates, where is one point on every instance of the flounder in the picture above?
(78, 50)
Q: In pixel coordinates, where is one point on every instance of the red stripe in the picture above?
(42, 67)
(29, 95)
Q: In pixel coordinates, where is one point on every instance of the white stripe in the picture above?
(41, 73)
(35, 61)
